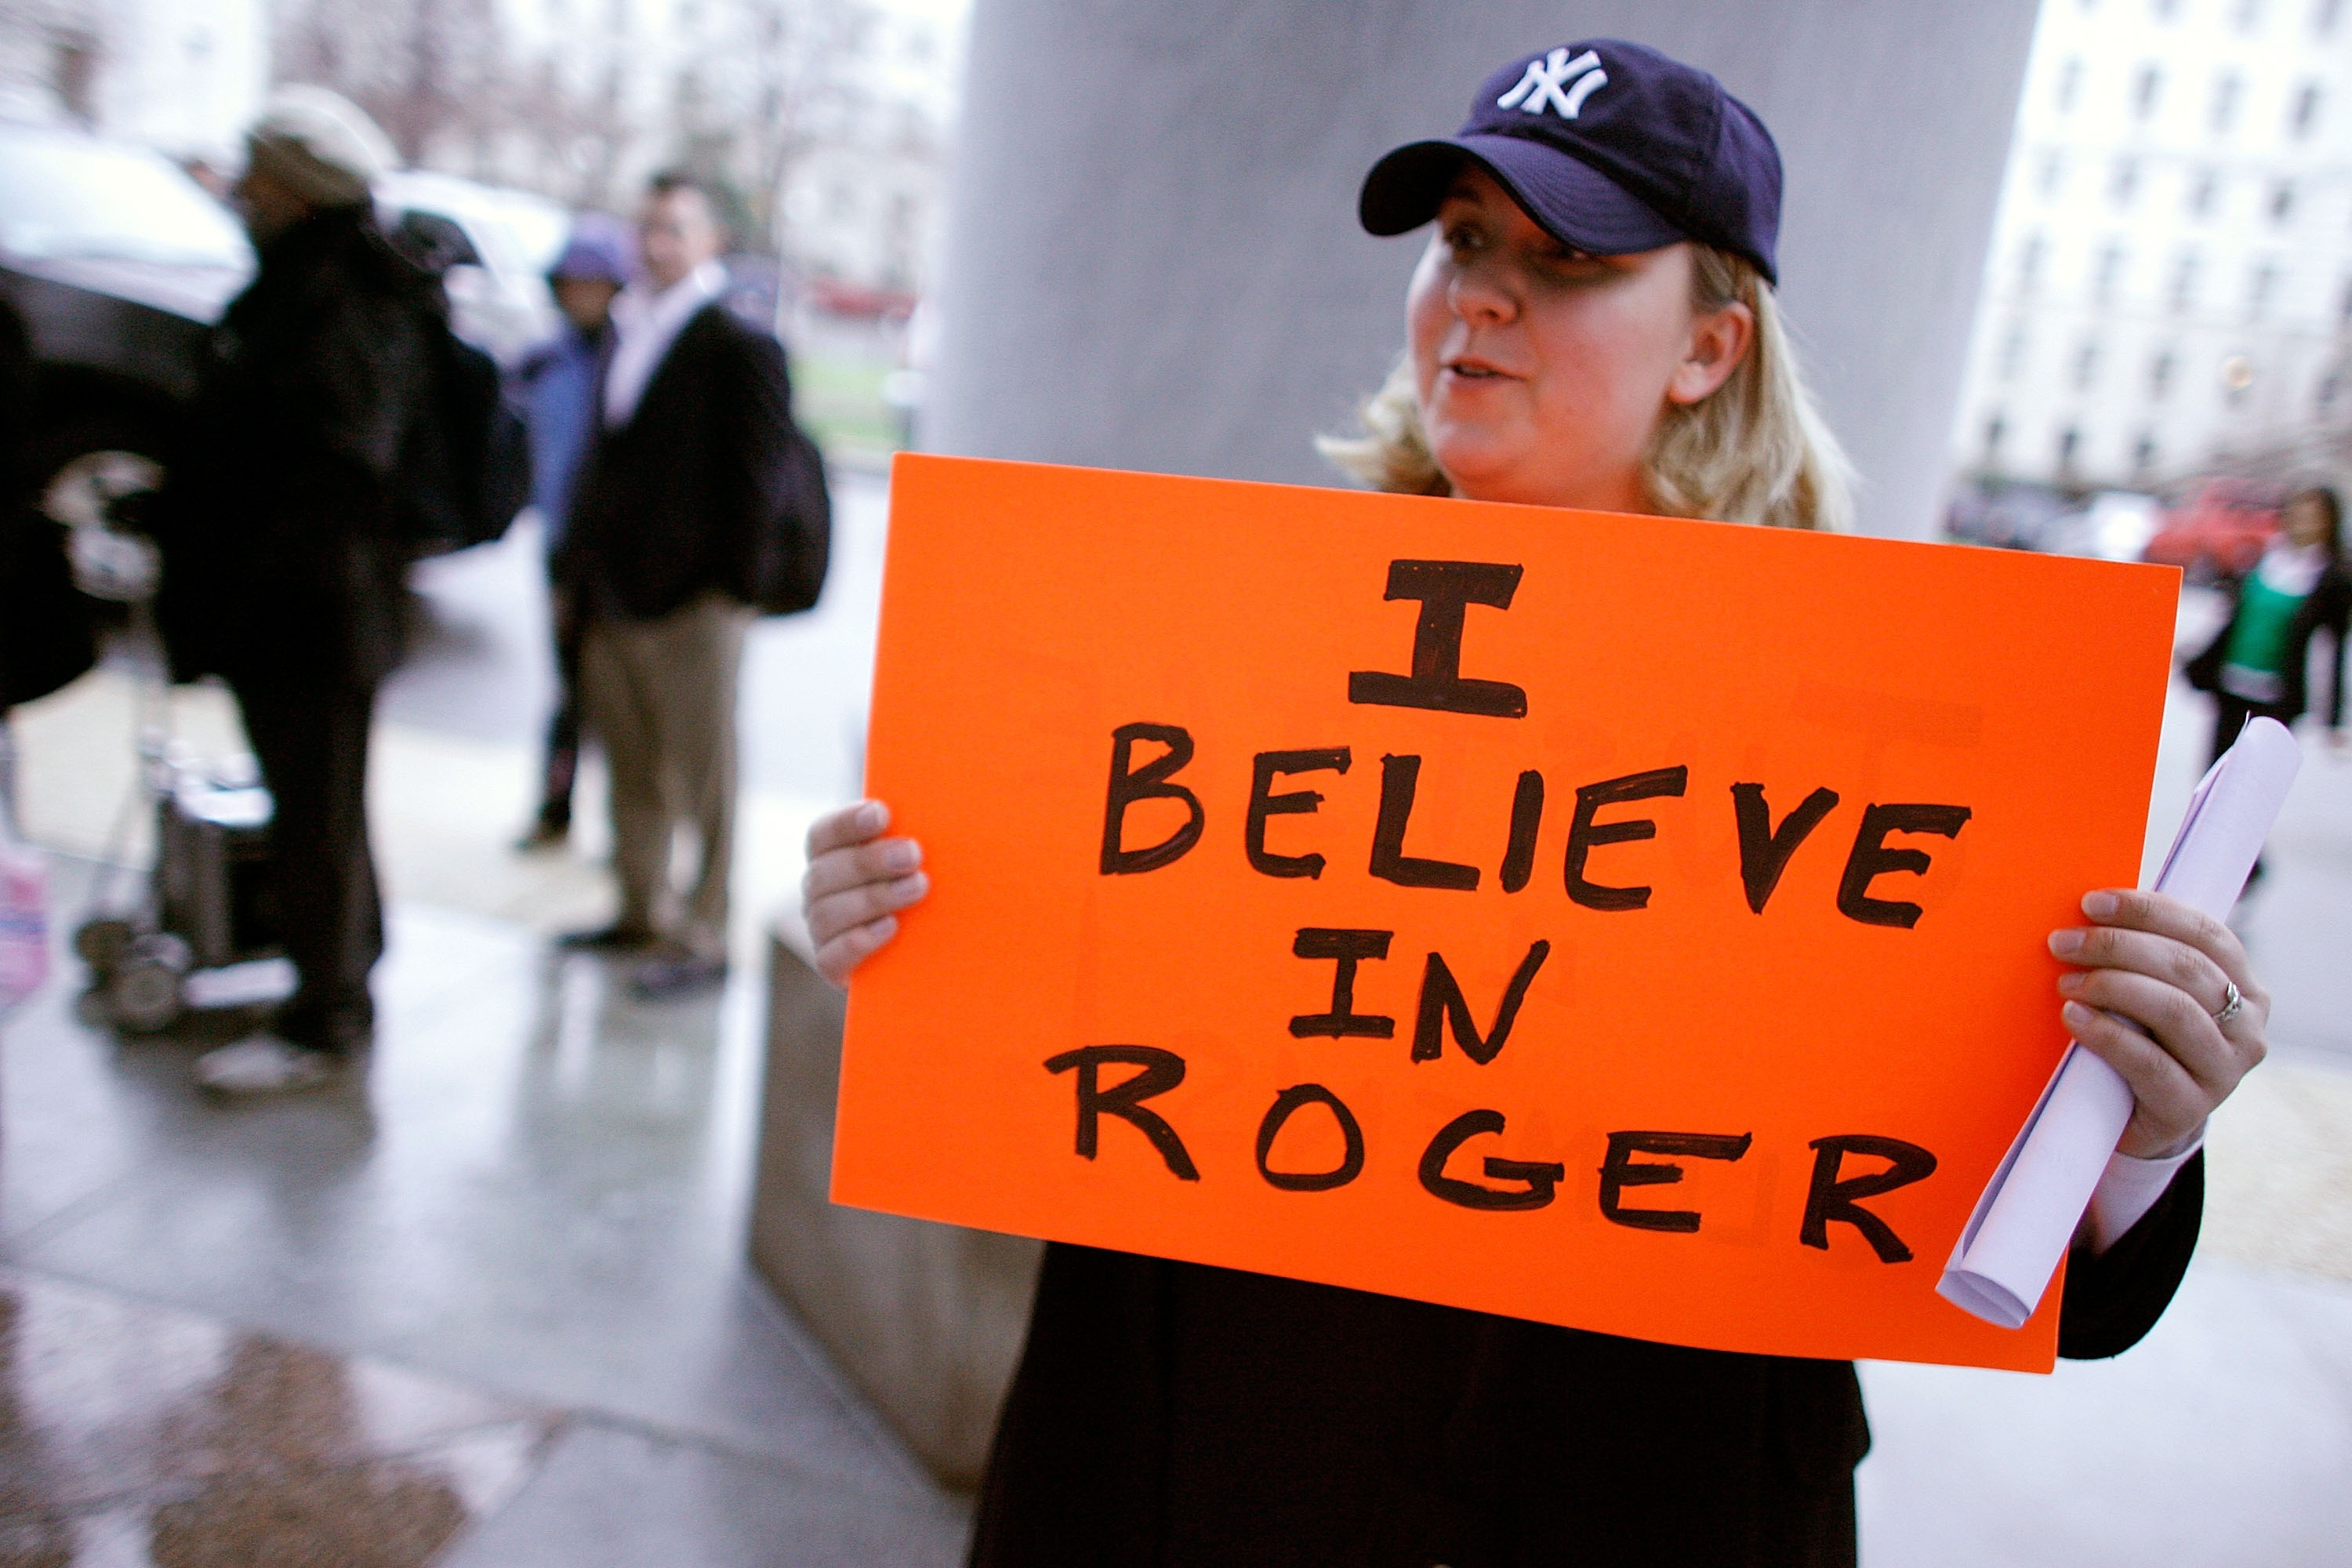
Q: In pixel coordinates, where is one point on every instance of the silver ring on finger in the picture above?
(2233, 1003)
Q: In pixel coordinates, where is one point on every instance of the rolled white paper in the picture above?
(2031, 1209)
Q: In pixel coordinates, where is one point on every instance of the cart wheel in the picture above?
(101, 943)
(144, 994)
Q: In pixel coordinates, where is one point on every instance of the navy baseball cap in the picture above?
(1610, 146)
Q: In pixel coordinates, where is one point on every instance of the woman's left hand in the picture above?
(2152, 959)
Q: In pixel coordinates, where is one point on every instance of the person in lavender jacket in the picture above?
(558, 383)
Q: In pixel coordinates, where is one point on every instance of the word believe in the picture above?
(1445, 589)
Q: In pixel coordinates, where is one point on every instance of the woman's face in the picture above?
(2305, 522)
(1543, 371)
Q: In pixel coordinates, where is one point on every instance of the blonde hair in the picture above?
(1754, 450)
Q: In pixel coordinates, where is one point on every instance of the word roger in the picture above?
(1445, 591)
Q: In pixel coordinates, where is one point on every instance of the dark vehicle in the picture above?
(2005, 514)
(115, 264)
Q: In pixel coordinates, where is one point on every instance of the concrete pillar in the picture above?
(1153, 261)
(925, 1320)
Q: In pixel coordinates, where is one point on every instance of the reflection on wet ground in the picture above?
(133, 1434)
(484, 1302)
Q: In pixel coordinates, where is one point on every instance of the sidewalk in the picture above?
(487, 1303)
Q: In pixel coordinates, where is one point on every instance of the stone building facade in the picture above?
(2169, 288)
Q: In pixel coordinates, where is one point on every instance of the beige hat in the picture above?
(320, 145)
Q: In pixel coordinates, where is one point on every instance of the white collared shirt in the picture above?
(645, 325)
(2293, 569)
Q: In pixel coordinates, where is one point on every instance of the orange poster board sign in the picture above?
(1629, 924)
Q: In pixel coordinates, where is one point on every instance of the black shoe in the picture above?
(663, 979)
(614, 938)
(545, 833)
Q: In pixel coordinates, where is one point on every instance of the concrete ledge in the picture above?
(927, 1319)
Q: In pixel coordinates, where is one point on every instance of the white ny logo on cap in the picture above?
(1540, 89)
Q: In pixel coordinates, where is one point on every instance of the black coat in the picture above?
(45, 631)
(1173, 1415)
(285, 552)
(684, 499)
(2329, 606)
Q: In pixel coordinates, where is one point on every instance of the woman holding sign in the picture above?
(1592, 325)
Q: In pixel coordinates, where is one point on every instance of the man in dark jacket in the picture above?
(663, 557)
(288, 565)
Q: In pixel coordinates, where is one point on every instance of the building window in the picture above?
(2029, 264)
(2184, 280)
(2167, 9)
(2070, 447)
(2013, 352)
(2109, 277)
(2203, 192)
(2330, 388)
(2250, 14)
(2123, 181)
(2322, 16)
(2306, 109)
(2225, 102)
(73, 76)
(2159, 376)
(2343, 308)
(1994, 430)
(2261, 289)
(2145, 91)
(2282, 201)
(2053, 172)
(2144, 455)
(2070, 85)
(2086, 364)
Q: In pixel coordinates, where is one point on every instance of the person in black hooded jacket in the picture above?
(286, 558)
(46, 632)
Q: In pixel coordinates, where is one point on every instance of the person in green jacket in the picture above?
(2255, 667)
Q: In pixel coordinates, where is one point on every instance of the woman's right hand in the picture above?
(857, 881)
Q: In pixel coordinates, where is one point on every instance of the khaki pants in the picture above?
(660, 694)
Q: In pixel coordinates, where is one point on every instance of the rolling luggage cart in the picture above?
(205, 908)
(205, 905)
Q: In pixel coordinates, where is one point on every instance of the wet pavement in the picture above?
(486, 1303)
(529, 1203)
(131, 1433)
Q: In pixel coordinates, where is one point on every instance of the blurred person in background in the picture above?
(663, 557)
(286, 556)
(559, 381)
(2255, 666)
